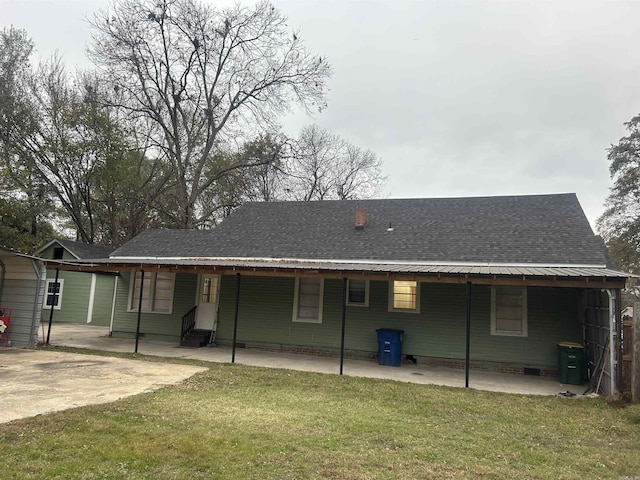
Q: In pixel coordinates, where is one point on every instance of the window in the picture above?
(404, 296)
(53, 294)
(358, 293)
(208, 289)
(58, 253)
(509, 311)
(157, 292)
(307, 302)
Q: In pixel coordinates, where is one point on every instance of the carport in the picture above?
(22, 284)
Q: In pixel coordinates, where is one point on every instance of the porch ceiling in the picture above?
(583, 276)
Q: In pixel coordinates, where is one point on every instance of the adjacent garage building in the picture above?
(22, 290)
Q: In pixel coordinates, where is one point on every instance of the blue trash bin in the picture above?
(390, 346)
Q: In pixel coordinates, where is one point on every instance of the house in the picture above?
(487, 282)
(22, 289)
(82, 297)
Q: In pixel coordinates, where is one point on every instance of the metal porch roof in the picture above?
(347, 267)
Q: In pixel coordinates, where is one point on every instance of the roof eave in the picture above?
(591, 277)
(132, 259)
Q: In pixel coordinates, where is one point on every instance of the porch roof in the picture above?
(589, 276)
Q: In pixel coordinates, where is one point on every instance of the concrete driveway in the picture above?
(34, 382)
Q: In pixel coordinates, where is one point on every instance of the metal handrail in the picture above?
(188, 322)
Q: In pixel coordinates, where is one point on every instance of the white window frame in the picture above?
(392, 294)
(152, 293)
(215, 293)
(524, 331)
(58, 305)
(296, 292)
(366, 294)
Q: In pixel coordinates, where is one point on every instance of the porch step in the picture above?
(196, 339)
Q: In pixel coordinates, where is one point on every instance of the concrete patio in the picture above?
(93, 337)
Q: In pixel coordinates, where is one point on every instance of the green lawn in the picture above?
(240, 422)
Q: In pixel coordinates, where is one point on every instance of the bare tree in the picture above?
(324, 166)
(202, 77)
(260, 179)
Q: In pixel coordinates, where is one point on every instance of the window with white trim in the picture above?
(404, 296)
(358, 293)
(509, 311)
(157, 292)
(307, 300)
(53, 294)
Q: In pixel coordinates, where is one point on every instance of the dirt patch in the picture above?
(34, 382)
(70, 364)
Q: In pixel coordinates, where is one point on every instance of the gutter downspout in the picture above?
(41, 273)
(139, 306)
(614, 345)
(344, 321)
(468, 338)
(235, 319)
(619, 379)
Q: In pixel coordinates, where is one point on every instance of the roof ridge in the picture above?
(364, 200)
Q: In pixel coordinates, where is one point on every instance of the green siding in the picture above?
(439, 331)
(266, 306)
(76, 291)
(164, 327)
(552, 318)
(74, 302)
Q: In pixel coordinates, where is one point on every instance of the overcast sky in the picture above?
(459, 98)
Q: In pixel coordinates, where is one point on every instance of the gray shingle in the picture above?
(544, 229)
(82, 250)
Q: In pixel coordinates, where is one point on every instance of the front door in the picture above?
(207, 312)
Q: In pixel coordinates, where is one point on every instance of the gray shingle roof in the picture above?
(82, 250)
(533, 229)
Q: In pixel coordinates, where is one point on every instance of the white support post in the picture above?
(92, 297)
(113, 304)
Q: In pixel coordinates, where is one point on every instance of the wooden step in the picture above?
(196, 339)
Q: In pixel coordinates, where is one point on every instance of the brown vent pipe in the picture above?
(361, 218)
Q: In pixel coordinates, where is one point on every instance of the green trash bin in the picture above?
(571, 363)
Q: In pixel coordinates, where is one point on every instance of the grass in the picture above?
(235, 421)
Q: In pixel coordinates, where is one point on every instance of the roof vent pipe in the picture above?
(361, 218)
